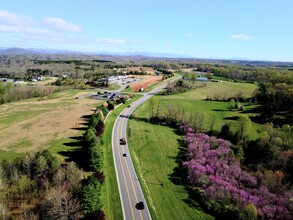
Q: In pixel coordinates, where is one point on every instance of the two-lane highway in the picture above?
(128, 183)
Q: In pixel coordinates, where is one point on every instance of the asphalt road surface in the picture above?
(128, 183)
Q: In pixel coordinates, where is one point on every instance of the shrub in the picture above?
(213, 168)
(95, 157)
(123, 100)
(100, 176)
(91, 195)
(95, 118)
(100, 215)
(103, 109)
(100, 128)
(110, 107)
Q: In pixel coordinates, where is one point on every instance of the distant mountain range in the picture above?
(136, 53)
(149, 54)
(143, 55)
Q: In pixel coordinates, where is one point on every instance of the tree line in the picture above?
(40, 186)
(10, 93)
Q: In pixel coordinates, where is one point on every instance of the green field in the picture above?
(154, 148)
(193, 102)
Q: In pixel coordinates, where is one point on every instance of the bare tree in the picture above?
(60, 205)
(4, 212)
(29, 215)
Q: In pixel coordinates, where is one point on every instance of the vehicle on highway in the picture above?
(125, 155)
(139, 206)
(122, 141)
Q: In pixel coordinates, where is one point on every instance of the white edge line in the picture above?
(116, 171)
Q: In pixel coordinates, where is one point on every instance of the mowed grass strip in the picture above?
(153, 149)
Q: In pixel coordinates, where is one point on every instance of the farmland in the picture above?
(38, 123)
(58, 122)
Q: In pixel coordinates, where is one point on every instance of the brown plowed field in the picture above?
(145, 82)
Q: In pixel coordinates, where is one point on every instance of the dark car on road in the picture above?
(122, 141)
(139, 206)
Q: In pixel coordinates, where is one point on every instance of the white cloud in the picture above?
(52, 32)
(60, 25)
(240, 37)
(109, 41)
(24, 30)
(8, 18)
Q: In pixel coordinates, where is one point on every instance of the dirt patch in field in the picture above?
(43, 122)
(145, 82)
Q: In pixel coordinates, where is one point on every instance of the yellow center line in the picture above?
(124, 175)
(132, 181)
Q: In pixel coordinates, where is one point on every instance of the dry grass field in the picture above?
(34, 124)
(145, 82)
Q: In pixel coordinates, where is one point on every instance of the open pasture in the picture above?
(37, 124)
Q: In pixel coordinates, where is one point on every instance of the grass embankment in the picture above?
(155, 148)
(110, 193)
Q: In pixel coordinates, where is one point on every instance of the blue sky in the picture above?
(248, 29)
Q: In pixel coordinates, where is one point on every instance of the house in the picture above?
(6, 80)
(113, 78)
(200, 78)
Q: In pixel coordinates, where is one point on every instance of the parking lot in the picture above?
(109, 95)
(125, 82)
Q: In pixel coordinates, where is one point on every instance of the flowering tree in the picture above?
(213, 169)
